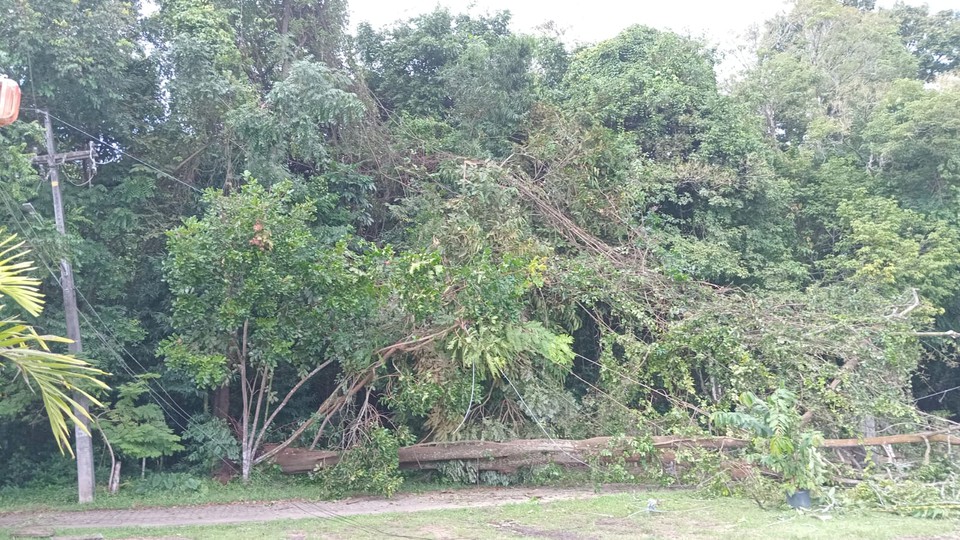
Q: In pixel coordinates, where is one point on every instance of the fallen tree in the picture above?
(509, 456)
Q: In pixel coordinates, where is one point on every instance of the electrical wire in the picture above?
(43, 255)
(116, 147)
(330, 514)
(625, 376)
(473, 386)
(537, 420)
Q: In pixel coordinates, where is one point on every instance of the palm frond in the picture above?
(50, 374)
(54, 376)
(14, 281)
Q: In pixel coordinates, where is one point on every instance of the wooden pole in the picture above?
(84, 443)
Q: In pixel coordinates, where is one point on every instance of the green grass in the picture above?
(263, 487)
(610, 516)
(210, 491)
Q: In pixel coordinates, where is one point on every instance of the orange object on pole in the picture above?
(9, 101)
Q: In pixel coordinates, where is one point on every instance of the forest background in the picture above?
(446, 230)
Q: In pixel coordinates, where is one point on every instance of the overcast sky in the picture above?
(721, 21)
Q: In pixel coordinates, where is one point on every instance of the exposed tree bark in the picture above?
(505, 456)
(221, 402)
(246, 439)
(909, 438)
(284, 30)
(953, 334)
(113, 483)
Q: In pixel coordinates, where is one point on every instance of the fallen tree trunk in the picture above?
(909, 438)
(509, 456)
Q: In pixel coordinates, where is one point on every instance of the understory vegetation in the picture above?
(445, 230)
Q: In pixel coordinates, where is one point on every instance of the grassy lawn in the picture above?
(210, 491)
(262, 488)
(611, 516)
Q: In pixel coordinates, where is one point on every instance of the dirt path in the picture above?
(292, 509)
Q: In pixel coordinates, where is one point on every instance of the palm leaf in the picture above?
(54, 376)
(13, 279)
(50, 374)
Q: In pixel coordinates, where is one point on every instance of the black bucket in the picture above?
(800, 499)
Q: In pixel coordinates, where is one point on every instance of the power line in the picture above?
(473, 385)
(625, 376)
(117, 342)
(125, 153)
(537, 420)
(330, 514)
(42, 256)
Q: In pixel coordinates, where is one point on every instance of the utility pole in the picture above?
(84, 444)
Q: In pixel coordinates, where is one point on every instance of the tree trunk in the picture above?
(246, 464)
(246, 397)
(507, 456)
(143, 468)
(221, 402)
(113, 485)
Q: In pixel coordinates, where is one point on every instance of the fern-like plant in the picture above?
(779, 441)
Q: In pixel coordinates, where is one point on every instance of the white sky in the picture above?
(721, 21)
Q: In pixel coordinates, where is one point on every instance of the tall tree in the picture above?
(262, 299)
(933, 38)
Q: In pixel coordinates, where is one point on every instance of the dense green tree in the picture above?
(655, 84)
(470, 73)
(821, 68)
(262, 299)
(934, 38)
(913, 144)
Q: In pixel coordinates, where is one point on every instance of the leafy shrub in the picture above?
(610, 465)
(370, 467)
(208, 441)
(138, 431)
(548, 474)
(779, 442)
(22, 469)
